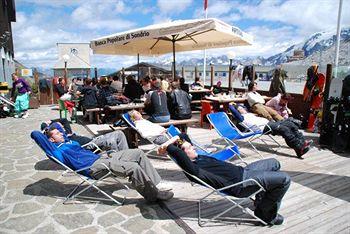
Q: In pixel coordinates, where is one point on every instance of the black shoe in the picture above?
(277, 221)
(164, 195)
(303, 150)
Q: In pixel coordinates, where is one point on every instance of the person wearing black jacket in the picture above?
(60, 87)
(185, 87)
(89, 93)
(221, 173)
(179, 103)
(133, 90)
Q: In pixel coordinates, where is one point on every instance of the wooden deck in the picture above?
(318, 200)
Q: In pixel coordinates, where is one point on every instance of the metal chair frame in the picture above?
(235, 201)
(248, 136)
(92, 183)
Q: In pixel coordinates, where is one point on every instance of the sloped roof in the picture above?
(142, 65)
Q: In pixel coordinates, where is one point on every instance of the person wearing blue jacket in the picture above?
(130, 163)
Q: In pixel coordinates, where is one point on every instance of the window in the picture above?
(200, 74)
(216, 74)
(224, 74)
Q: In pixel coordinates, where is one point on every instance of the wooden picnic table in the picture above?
(225, 100)
(118, 108)
(191, 91)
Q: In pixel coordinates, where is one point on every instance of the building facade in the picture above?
(7, 64)
(75, 57)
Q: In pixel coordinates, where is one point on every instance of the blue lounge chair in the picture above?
(255, 128)
(234, 201)
(171, 132)
(229, 132)
(56, 155)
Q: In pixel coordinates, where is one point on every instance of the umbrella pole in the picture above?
(174, 64)
(138, 67)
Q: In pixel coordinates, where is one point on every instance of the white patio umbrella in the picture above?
(176, 36)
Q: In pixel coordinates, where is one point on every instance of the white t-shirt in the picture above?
(149, 130)
(252, 120)
(254, 97)
(117, 85)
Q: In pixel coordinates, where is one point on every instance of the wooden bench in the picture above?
(196, 102)
(121, 107)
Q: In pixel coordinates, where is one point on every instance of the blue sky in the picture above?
(274, 24)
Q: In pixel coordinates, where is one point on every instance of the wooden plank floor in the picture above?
(318, 200)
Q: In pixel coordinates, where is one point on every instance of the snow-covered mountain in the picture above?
(319, 46)
(316, 43)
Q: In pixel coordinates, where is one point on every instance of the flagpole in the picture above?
(205, 51)
(338, 39)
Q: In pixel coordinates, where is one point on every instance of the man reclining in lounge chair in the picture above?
(115, 140)
(220, 174)
(147, 129)
(287, 128)
(131, 163)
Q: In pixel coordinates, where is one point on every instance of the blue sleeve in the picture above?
(236, 113)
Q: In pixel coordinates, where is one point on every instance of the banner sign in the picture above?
(26, 72)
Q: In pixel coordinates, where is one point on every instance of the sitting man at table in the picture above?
(217, 89)
(197, 84)
(279, 104)
(220, 174)
(183, 85)
(287, 128)
(115, 140)
(256, 103)
(130, 163)
(146, 84)
(108, 96)
(179, 102)
(89, 95)
(133, 89)
(156, 104)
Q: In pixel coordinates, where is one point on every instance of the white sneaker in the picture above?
(163, 186)
(16, 116)
(25, 115)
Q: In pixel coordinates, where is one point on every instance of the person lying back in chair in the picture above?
(130, 163)
(115, 140)
(287, 128)
(147, 129)
(220, 174)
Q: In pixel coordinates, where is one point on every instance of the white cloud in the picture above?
(54, 3)
(308, 16)
(160, 19)
(173, 6)
(102, 15)
(120, 7)
(224, 10)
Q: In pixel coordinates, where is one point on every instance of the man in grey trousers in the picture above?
(130, 163)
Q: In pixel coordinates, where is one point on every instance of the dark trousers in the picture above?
(276, 183)
(289, 131)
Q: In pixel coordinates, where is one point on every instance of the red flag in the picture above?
(205, 4)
